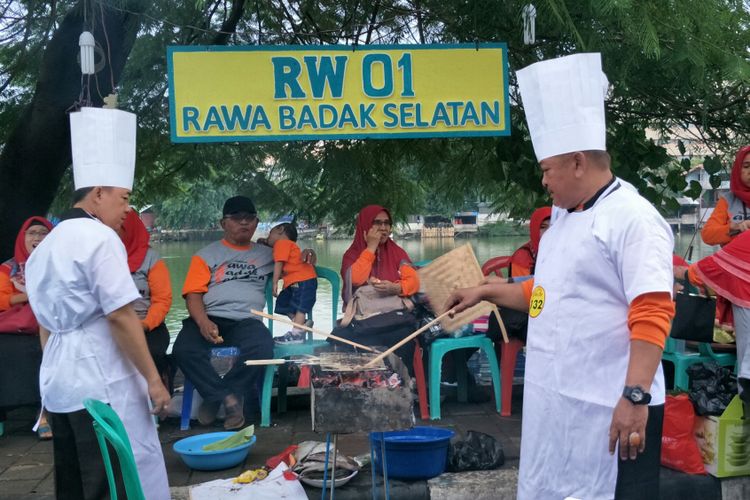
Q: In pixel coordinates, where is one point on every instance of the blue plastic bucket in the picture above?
(418, 453)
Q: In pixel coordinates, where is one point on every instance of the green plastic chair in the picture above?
(109, 428)
(675, 353)
(721, 358)
(285, 351)
(442, 346)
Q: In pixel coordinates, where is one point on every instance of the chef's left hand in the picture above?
(309, 257)
(159, 397)
(629, 428)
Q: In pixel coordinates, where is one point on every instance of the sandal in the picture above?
(44, 431)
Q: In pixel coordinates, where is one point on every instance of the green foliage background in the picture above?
(671, 64)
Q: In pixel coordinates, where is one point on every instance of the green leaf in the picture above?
(712, 164)
(694, 191)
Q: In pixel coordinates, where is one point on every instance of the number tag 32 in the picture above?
(536, 304)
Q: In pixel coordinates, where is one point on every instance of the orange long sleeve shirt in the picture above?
(649, 316)
(716, 229)
(160, 289)
(7, 290)
(362, 267)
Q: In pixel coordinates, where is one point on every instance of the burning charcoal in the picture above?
(394, 381)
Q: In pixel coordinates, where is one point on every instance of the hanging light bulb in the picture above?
(86, 42)
(529, 24)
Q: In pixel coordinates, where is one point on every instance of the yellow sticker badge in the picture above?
(536, 304)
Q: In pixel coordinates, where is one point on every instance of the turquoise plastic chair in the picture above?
(442, 346)
(285, 351)
(109, 429)
(721, 358)
(675, 353)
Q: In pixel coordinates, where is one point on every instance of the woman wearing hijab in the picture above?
(374, 258)
(523, 260)
(730, 217)
(522, 263)
(151, 278)
(727, 272)
(20, 356)
(732, 213)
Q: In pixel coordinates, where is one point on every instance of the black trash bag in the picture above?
(712, 387)
(476, 451)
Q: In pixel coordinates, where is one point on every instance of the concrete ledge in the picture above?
(735, 488)
(498, 484)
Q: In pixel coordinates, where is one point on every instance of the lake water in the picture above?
(177, 257)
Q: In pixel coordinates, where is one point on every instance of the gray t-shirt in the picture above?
(237, 278)
(140, 279)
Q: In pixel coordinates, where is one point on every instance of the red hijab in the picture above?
(135, 237)
(525, 256)
(736, 186)
(388, 256)
(728, 270)
(20, 254)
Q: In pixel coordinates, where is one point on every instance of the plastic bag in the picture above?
(712, 387)
(476, 451)
(679, 450)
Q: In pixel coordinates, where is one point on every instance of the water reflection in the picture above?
(177, 257)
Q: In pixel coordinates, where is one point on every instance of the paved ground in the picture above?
(26, 463)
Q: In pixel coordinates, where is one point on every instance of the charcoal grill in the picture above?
(349, 408)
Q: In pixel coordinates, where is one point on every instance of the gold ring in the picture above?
(634, 439)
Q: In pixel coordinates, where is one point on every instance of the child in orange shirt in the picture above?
(297, 298)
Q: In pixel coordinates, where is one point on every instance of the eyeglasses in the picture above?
(37, 234)
(242, 217)
(382, 223)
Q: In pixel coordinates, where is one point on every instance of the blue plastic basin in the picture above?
(191, 451)
(418, 453)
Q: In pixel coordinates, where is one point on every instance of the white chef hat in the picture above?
(103, 146)
(564, 103)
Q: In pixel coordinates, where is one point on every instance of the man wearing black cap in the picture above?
(226, 279)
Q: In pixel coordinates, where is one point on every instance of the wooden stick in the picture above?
(282, 319)
(256, 362)
(407, 339)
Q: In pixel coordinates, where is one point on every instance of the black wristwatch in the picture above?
(636, 395)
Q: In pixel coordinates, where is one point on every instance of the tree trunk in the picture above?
(37, 152)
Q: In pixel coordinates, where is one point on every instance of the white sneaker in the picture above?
(291, 337)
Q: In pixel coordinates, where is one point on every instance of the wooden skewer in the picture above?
(256, 362)
(308, 359)
(407, 339)
(282, 319)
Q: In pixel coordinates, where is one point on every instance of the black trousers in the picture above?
(158, 342)
(79, 468)
(192, 353)
(639, 479)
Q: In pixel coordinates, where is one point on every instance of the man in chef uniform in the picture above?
(81, 291)
(599, 305)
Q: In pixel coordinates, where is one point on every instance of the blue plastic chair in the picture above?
(285, 351)
(109, 429)
(219, 352)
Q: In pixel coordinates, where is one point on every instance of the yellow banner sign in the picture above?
(282, 93)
